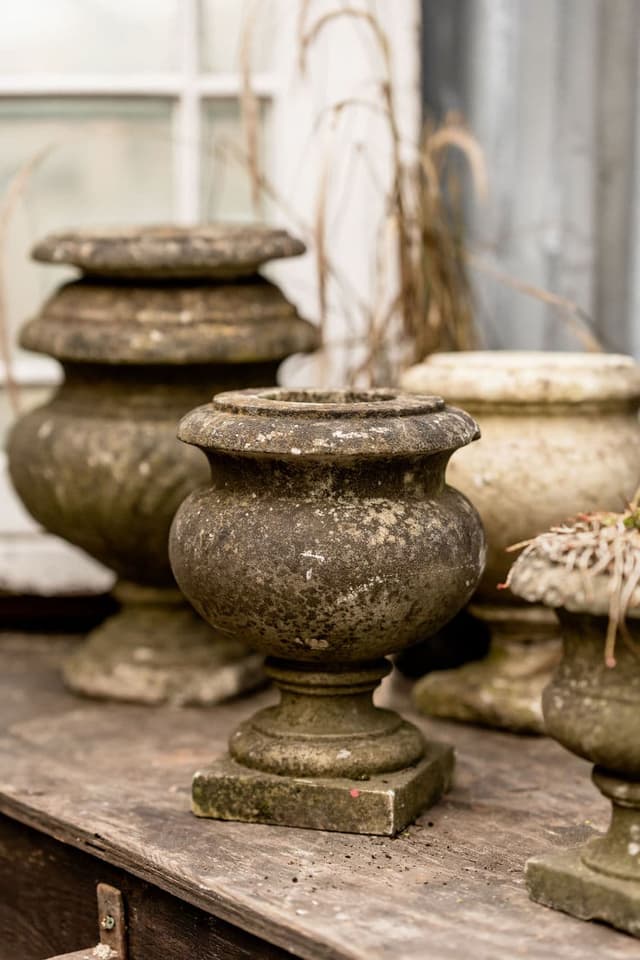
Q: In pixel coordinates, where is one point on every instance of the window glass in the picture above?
(108, 161)
(89, 36)
(225, 180)
(221, 36)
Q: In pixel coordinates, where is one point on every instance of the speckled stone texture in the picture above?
(592, 710)
(215, 250)
(100, 464)
(560, 434)
(327, 539)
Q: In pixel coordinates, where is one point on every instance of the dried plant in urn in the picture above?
(164, 318)
(328, 538)
(588, 571)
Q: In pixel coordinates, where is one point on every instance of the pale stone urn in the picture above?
(593, 710)
(165, 318)
(560, 434)
(328, 538)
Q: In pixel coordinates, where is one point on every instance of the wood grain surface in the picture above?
(114, 781)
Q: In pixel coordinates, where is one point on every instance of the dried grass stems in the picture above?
(8, 203)
(432, 307)
(446, 290)
(597, 544)
(578, 320)
(421, 222)
(250, 108)
(421, 297)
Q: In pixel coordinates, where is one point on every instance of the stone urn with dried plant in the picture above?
(560, 433)
(163, 318)
(588, 572)
(327, 538)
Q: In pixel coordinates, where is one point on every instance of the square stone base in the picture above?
(562, 881)
(382, 805)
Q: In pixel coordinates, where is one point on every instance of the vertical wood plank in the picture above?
(443, 60)
(573, 172)
(618, 268)
(551, 89)
(618, 38)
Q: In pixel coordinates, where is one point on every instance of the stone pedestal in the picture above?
(592, 709)
(325, 758)
(158, 650)
(564, 882)
(327, 539)
(505, 688)
(560, 434)
(601, 880)
(164, 318)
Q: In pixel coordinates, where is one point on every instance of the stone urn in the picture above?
(560, 433)
(593, 710)
(327, 538)
(164, 318)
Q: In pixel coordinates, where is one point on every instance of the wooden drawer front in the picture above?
(48, 907)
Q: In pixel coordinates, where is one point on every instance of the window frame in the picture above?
(294, 101)
(188, 88)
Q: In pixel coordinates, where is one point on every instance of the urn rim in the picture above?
(312, 424)
(518, 377)
(326, 403)
(223, 249)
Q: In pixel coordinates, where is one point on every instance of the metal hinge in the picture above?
(111, 926)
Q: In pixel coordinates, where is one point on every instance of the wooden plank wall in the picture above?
(551, 90)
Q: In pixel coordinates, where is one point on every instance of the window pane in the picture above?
(223, 23)
(108, 162)
(90, 36)
(225, 184)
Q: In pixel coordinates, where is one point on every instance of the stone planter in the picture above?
(327, 539)
(100, 464)
(593, 711)
(560, 434)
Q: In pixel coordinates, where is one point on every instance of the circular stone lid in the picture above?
(526, 376)
(325, 424)
(165, 252)
(197, 323)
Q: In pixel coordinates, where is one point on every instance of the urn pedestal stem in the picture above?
(328, 538)
(618, 852)
(326, 725)
(325, 757)
(600, 880)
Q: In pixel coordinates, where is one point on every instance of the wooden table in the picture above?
(93, 792)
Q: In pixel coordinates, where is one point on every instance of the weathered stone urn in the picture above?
(328, 538)
(593, 710)
(560, 433)
(165, 318)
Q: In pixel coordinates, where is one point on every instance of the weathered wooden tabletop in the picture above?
(114, 780)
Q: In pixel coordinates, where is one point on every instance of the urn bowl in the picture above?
(328, 531)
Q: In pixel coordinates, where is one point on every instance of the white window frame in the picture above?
(295, 103)
(187, 87)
